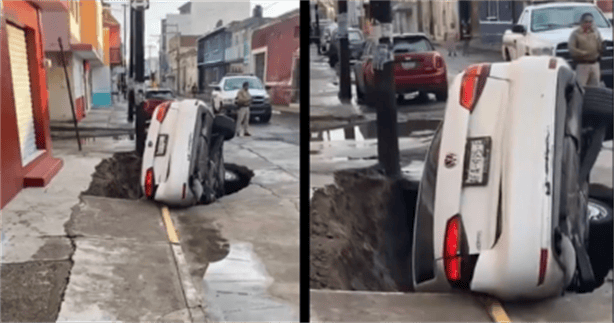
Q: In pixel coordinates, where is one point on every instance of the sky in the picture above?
(159, 8)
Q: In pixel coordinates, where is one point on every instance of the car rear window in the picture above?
(237, 83)
(159, 94)
(411, 45)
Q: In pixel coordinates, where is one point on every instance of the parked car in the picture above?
(503, 206)
(183, 161)
(545, 29)
(418, 67)
(326, 36)
(356, 43)
(224, 94)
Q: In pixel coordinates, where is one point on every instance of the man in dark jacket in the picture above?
(243, 100)
(586, 47)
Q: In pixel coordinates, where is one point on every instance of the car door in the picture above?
(520, 41)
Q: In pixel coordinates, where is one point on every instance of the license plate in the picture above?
(161, 145)
(477, 161)
(408, 65)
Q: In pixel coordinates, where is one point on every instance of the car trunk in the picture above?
(409, 64)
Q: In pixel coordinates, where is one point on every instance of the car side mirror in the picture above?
(519, 29)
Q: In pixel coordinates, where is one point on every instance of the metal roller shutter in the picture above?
(21, 89)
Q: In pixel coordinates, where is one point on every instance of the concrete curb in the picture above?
(292, 108)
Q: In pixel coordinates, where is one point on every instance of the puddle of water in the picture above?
(368, 130)
(236, 289)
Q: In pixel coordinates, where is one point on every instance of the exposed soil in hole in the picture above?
(352, 223)
(119, 177)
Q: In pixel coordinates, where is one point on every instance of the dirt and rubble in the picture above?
(351, 223)
(119, 177)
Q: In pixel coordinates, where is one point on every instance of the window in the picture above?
(563, 17)
(411, 45)
(493, 10)
(354, 36)
(237, 83)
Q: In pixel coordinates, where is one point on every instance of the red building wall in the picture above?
(281, 40)
(605, 5)
(39, 172)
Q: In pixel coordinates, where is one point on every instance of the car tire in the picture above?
(360, 96)
(224, 126)
(266, 118)
(441, 96)
(600, 241)
(140, 129)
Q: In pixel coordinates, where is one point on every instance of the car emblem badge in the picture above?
(450, 160)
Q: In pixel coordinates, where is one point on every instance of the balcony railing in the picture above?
(115, 56)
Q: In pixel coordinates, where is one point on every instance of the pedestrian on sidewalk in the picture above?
(243, 101)
(450, 38)
(194, 91)
(586, 47)
(466, 37)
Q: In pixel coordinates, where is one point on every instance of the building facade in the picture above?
(211, 52)
(26, 157)
(183, 67)
(275, 48)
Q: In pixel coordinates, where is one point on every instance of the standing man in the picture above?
(466, 37)
(586, 47)
(243, 102)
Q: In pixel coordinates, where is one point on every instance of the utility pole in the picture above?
(387, 136)
(318, 29)
(345, 89)
(125, 33)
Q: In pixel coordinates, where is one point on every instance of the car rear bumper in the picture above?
(256, 110)
(423, 82)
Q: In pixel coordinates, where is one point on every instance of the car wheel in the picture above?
(600, 239)
(360, 96)
(266, 118)
(441, 96)
(140, 129)
(332, 61)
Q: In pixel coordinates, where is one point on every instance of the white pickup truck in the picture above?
(545, 29)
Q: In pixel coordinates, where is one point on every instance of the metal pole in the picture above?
(125, 34)
(318, 29)
(72, 104)
(387, 136)
(345, 90)
(178, 61)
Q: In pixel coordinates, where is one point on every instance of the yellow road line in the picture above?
(497, 312)
(170, 228)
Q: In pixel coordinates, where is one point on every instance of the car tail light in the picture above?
(543, 265)
(149, 183)
(473, 84)
(451, 253)
(162, 109)
(437, 62)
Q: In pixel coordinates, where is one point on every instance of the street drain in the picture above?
(119, 177)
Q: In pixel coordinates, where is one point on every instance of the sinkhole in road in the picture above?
(119, 177)
(368, 130)
(355, 224)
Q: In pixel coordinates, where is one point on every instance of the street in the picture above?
(344, 137)
(73, 256)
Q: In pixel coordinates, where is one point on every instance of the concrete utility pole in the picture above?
(345, 89)
(387, 136)
(318, 28)
(125, 33)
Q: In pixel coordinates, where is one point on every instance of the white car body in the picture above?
(172, 170)
(223, 98)
(516, 110)
(543, 42)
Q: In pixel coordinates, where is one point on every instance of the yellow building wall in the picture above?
(91, 23)
(74, 26)
(107, 37)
